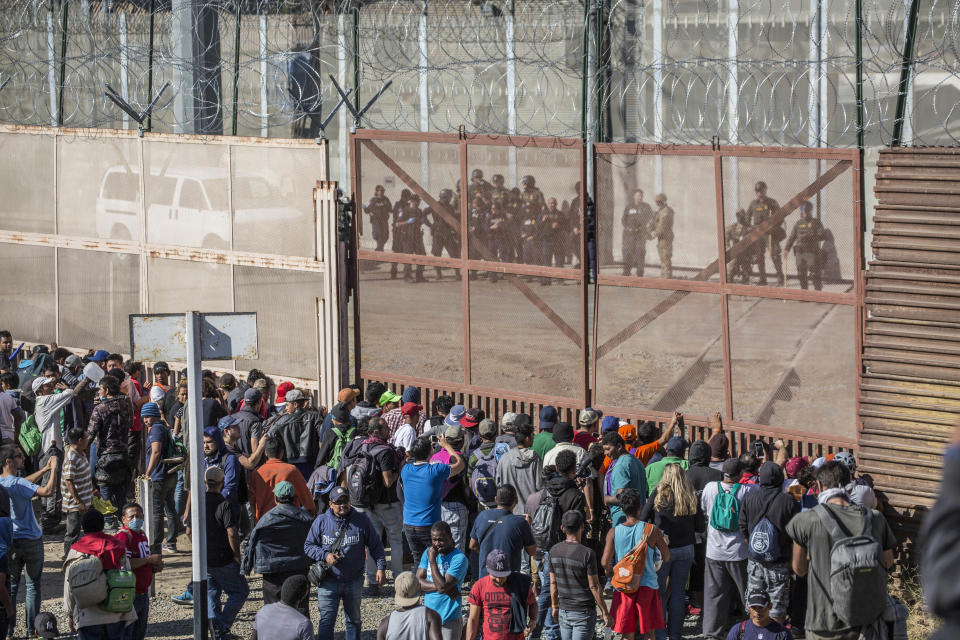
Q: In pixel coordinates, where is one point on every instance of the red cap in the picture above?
(410, 408)
(282, 389)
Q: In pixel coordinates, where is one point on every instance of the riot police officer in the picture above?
(397, 241)
(412, 225)
(553, 235)
(761, 208)
(498, 192)
(805, 241)
(500, 235)
(379, 211)
(478, 187)
(742, 266)
(636, 220)
(532, 205)
(442, 235)
(662, 229)
(478, 226)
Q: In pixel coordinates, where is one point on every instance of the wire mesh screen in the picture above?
(513, 345)
(97, 292)
(792, 365)
(98, 188)
(27, 291)
(24, 207)
(286, 332)
(524, 205)
(660, 350)
(408, 328)
(650, 222)
(817, 235)
(176, 286)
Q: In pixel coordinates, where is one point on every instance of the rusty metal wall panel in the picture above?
(910, 389)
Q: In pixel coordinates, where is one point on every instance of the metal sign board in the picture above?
(223, 336)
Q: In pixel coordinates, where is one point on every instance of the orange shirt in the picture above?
(644, 452)
(270, 474)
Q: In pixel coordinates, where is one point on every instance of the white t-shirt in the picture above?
(8, 405)
(724, 545)
(404, 437)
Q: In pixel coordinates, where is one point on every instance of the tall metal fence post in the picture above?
(859, 85)
(236, 69)
(424, 92)
(733, 98)
(64, 15)
(356, 54)
(343, 131)
(905, 86)
(150, 63)
(589, 85)
(509, 34)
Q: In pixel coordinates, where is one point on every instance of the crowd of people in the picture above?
(500, 527)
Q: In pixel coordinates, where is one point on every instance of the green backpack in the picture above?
(725, 514)
(339, 446)
(30, 438)
(121, 590)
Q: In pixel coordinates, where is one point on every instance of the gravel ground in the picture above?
(175, 622)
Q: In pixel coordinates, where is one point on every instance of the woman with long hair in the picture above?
(674, 508)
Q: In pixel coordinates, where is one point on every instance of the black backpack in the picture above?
(362, 473)
(546, 522)
(764, 539)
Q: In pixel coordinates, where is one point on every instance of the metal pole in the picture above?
(236, 70)
(198, 508)
(859, 51)
(906, 70)
(424, 91)
(124, 70)
(590, 78)
(356, 55)
(511, 92)
(64, 13)
(150, 67)
(52, 68)
(342, 131)
(264, 106)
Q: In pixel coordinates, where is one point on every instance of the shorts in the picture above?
(638, 612)
(774, 580)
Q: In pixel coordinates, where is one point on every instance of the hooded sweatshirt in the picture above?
(234, 480)
(767, 500)
(520, 468)
(700, 474)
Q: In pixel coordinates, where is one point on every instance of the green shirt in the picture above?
(655, 469)
(543, 442)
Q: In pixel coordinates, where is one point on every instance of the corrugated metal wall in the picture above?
(910, 394)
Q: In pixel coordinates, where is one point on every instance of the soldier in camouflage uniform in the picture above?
(760, 209)
(805, 241)
(442, 235)
(742, 265)
(396, 242)
(636, 220)
(379, 211)
(662, 229)
(478, 187)
(412, 226)
(532, 204)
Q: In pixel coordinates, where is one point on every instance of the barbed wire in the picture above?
(673, 71)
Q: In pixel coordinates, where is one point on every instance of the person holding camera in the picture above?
(337, 543)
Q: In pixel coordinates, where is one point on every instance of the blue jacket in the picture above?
(276, 543)
(360, 534)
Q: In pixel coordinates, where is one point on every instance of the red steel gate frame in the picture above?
(365, 139)
(844, 159)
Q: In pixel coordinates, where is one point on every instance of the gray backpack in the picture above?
(858, 578)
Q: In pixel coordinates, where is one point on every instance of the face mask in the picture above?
(136, 524)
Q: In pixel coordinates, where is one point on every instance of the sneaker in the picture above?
(169, 548)
(372, 591)
(184, 599)
(693, 611)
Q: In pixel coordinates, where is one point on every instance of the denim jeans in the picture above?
(456, 515)
(677, 568)
(141, 604)
(117, 495)
(113, 631)
(577, 625)
(180, 497)
(329, 595)
(389, 518)
(26, 554)
(226, 579)
(546, 625)
(419, 540)
(51, 512)
(162, 505)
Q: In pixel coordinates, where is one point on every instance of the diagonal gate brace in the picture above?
(757, 234)
(481, 249)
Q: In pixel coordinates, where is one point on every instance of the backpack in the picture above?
(628, 572)
(546, 522)
(121, 590)
(483, 481)
(725, 514)
(858, 579)
(87, 580)
(341, 442)
(764, 539)
(363, 476)
(30, 438)
(743, 628)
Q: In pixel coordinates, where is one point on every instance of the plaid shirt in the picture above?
(394, 420)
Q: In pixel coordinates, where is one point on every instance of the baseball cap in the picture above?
(563, 432)
(588, 416)
(456, 414)
(99, 356)
(676, 445)
(628, 432)
(73, 360)
(758, 598)
(548, 417)
(39, 382)
(509, 419)
(252, 396)
(731, 467)
(487, 427)
(472, 418)
(161, 366)
(226, 421)
(282, 389)
(819, 462)
(45, 624)
(406, 588)
(338, 493)
(295, 395)
(284, 489)
(347, 394)
(497, 564)
(454, 432)
(609, 423)
(150, 410)
(388, 396)
(794, 465)
(340, 413)
(410, 408)
(213, 475)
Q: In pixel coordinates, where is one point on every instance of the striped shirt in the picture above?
(76, 468)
